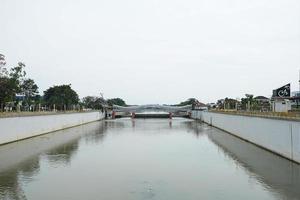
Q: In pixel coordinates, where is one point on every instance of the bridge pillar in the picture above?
(133, 115)
(170, 115)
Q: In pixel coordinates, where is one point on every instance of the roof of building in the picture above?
(261, 98)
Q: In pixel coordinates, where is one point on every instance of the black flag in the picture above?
(284, 91)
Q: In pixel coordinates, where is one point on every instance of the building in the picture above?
(281, 105)
(295, 101)
(281, 99)
(296, 94)
(263, 103)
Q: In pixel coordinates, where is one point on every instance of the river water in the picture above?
(140, 159)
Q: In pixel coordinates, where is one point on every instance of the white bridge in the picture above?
(155, 110)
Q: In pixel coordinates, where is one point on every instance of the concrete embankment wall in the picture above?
(277, 135)
(18, 128)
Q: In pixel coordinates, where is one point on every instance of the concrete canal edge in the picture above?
(279, 136)
(13, 129)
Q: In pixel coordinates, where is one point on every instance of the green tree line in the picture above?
(13, 82)
(18, 92)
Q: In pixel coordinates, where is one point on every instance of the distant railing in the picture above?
(275, 115)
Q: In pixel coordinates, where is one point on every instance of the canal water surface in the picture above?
(138, 159)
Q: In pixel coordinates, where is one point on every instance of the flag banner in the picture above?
(284, 91)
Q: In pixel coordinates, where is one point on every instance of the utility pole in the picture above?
(103, 107)
(236, 103)
(299, 82)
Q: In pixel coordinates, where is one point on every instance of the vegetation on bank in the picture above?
(247, 103)
(62, 97)
(14, 82)
(20, 93)
(189, 101)
(94, 102)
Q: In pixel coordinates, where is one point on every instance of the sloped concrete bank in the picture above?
(277, 135)
(18, 128)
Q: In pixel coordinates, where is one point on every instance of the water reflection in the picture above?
(20, 161)
(162, 147)
(198, 129)
(62, 155)
(116, 123)
(276, 173)
(170, 124)
(10, 187)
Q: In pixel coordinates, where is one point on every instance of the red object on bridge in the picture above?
(170, 115)
(113, 115)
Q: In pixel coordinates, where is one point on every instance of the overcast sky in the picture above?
(155, 51)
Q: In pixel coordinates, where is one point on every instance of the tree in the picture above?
(17, 74)
(7, 91)
(3, 70)
(62, 96)
(190, 101)
(89, 101)
(2, 59)
(10, 83)
(30, 90)
(5, 83)
(230, 103)
(248, 103)
(92, 102)
(15, 82)
(116, 101)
